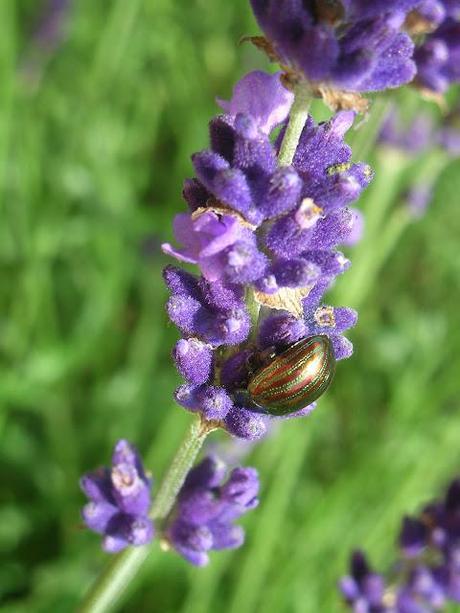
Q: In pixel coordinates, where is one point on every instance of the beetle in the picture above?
(294, 378)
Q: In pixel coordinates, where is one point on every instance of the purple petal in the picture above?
(184, 312)
(235, 370)
(226, 536)
(280, 193)
(127, 530)
(345, 318)
(184, 233)
(241, 488)
(199, 506)
(280, 331)
(131, 493)
(262, 96)
(295, 272)
(114, 544)
(315, 295)
(194, 360)
(141, 531)
(332, 230)
(97, 515)
(195, 194)
(394, 68)
(181, 283)
(357, 229)
(343, 348)
(222, 296)
(302, 412)
(245, 424)
(198, 538)
(214, 401)
(98, 486)
(208, 473)
(322, 146)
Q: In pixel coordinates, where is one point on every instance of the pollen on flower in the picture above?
(123, 478)
(324, 316)
(239, 256)
(336, 168)
(389, 598)
(119, 501)
(165, 545)
(308, 213)
(368, 171)
(342, 261)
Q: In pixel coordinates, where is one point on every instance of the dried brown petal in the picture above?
(285, 299)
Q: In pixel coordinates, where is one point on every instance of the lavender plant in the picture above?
(426, 577)
(268, 212)
(119, 501)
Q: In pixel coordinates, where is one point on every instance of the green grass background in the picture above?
(95, 139)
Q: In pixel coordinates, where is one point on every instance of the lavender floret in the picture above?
(119, 501)
(206, 508)
(194, 360)
(214, 313)
(354, 46)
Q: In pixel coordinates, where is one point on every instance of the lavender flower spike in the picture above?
(427, 576)
(119, 501)
(351, 45)
(261, 229)
(206, 508)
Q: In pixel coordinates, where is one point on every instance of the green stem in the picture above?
(111, 584)
(180, 467)
(254, 310)
(297, 118)
(114, 580)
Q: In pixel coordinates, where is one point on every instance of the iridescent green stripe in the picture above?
(280, 381)
(285, 365)
(276, 393)
(284, 386)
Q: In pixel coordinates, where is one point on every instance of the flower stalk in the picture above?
(113, 581)
(297, 118)
(180, 466)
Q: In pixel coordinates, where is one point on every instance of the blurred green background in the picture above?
(96, 130)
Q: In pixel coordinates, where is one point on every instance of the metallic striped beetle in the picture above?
(294, 378)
